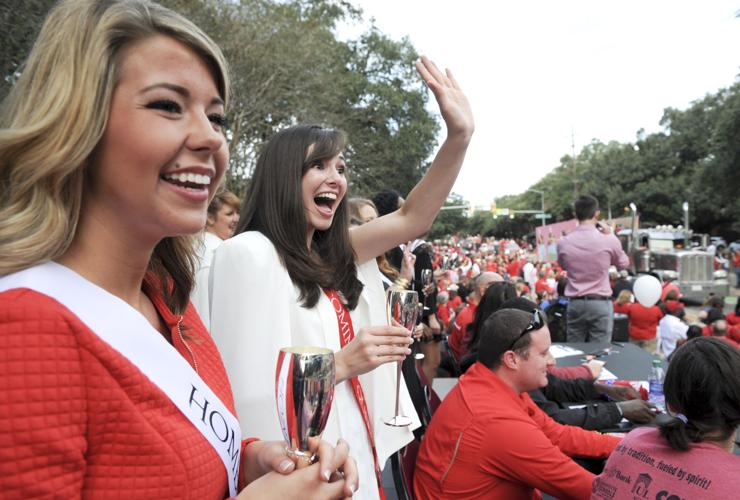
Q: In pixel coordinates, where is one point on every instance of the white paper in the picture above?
(607, 375)
(561, 351)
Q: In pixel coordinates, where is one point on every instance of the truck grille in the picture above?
(695, 267)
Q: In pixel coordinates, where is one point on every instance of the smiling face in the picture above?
(367, 213)
(533, 370)
(224, 223)
(323, 187)
(163, 151)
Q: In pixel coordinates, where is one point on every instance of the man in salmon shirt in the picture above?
(586, 254)
(488, 439)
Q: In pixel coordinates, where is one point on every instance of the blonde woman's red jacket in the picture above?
(77, 419)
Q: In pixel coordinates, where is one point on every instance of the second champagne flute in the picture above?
(403, 307)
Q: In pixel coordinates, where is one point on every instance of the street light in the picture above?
(542, 198)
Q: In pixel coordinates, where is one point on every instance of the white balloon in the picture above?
(647, 290)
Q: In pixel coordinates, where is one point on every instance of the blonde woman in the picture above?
(111, 145)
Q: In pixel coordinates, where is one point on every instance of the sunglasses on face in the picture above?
(535, 323)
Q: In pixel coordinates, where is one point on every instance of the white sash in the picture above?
(129, 333)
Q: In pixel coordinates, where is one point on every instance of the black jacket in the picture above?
(594, 416)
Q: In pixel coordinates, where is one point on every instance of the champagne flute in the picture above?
(403, 307)
(426, 280)
(304, 390)
(416, 346)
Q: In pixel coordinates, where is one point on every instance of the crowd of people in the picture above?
(143, 306)
(464, 270)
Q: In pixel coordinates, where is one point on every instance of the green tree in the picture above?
(695, 158)
(287, 66)
(19, 25)
(391, 133)
(450, 222)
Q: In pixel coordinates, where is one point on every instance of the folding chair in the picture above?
(414, 376)
(403, 463)
(620, 332)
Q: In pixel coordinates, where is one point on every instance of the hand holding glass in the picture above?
(403, 307)
(304, 390)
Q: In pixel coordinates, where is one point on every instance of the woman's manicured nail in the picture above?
(285, 465)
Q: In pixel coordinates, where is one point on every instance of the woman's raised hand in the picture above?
(372, 347)
(452, 102)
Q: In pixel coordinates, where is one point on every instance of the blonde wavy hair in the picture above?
(624, 297)
(55, 115)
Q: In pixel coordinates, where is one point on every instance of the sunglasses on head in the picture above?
(535, 323)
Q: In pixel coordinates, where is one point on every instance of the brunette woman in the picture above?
(297, 275)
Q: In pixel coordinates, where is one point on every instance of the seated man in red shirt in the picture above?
(489, 440)
(459, 338)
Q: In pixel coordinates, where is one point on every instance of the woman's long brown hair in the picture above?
(274, 207)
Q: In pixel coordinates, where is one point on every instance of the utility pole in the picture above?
(575, 168)
(687, 237)
(542, 199)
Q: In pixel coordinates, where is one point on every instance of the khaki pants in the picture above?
(650, 346)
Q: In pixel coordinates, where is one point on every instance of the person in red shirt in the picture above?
(719, 329)
(455, 300)
(459, 339)
(643, 325)
(669, 286)
(488, 439)
(541, 285)
(444, 313)
(623, 302)
(643, 321)
(733, 318)
(514, 267)
(491, 264)
(733, 322)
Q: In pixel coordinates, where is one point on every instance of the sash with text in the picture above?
(130, 334)
(346, 334)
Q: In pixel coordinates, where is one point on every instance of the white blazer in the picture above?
(205, 245)
(255, 311)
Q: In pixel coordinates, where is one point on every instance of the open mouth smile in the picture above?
(194, 182)
(325, 202)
